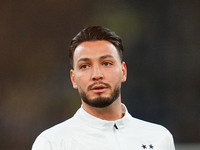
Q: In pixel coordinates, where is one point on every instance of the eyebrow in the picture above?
(83, 59)
(101, 58)
(106, 56)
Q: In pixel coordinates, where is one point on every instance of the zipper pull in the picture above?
(115, 126)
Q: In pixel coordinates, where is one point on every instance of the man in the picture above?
(102, 122)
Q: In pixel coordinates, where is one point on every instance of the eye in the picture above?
(107, 63)
(85, 66)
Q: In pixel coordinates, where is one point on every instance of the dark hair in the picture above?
(95, 33)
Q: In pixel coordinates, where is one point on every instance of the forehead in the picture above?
(95, 49)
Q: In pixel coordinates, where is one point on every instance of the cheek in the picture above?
(115, 77)
(81, 81)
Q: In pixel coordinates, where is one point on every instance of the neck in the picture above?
(110, 113)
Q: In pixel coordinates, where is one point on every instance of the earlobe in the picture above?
(124, 72)
(73, 79)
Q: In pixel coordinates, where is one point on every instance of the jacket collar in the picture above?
(95, 122)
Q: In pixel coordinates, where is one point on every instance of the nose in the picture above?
(97, 74)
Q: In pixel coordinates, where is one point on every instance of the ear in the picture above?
(124, 71)
(72, 75)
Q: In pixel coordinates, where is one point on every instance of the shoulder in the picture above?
(52, 138)
(58, 130)
(150, 133)
(146, 127)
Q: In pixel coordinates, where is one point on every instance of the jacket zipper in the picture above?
(115, 132)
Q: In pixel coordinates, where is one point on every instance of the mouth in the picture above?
(99, 88)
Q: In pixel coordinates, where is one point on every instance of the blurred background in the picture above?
(162, 52)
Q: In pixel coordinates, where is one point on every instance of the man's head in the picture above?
(98, 69)
(95, 33)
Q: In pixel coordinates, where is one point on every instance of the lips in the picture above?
(98, 87)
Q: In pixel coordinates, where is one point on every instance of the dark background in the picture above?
(162, 52)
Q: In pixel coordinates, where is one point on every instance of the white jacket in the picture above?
(86, 132)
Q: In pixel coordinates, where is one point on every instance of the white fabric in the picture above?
(86, 132)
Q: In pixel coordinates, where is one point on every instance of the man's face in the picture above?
(98, 73)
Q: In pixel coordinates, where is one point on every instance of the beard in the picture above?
(100, 102)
